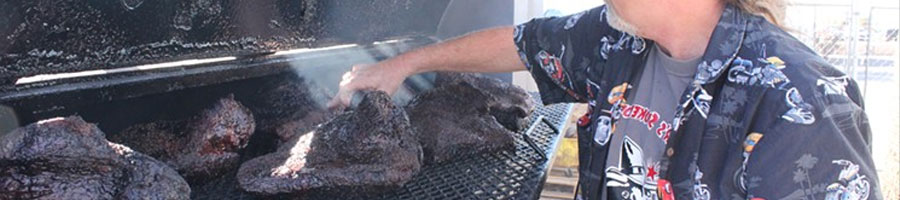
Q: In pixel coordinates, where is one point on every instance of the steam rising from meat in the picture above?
(284, 103)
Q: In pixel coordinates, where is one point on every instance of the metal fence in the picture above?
(860, 40)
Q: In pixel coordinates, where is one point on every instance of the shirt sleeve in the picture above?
(828, 159)
(554, 52)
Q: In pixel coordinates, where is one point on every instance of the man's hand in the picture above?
(377, 76)
(491, 50)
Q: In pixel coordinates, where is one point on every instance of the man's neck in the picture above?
(686, 34)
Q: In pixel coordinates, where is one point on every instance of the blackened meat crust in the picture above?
(510, 104)
(201, 148)
(364, 151)
(454, 120)
(68, 158)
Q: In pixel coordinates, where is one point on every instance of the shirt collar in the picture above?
(726, 41)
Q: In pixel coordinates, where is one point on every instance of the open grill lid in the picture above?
(64, 36)
(59, 57)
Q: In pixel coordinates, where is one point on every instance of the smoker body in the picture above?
(124, 62)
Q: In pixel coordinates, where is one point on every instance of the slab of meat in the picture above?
(453, 120)
(300, 126)
(367, 150)
(68, 158)
(200, 148)
(510, 104)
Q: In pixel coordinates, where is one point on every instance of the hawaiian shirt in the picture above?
(764, 118)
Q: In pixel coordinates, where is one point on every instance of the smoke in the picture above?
(323, 68)
(8, 120)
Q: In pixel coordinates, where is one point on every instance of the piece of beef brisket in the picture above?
(200, 148)
(508, 103)
(453, 120)
(68, 158)
(367, 150)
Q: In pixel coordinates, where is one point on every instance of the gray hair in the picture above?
(772, 10)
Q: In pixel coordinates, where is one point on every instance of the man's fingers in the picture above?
(339, 101)
(333, 104)
(341, 98)
(348, 86)
(346, 78)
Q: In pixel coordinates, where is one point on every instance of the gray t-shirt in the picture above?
(640, 135)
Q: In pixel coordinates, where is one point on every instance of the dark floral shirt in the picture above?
(765, 117)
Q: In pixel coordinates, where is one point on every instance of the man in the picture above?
(688, 99)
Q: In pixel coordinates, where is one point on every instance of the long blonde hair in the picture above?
(772, 10)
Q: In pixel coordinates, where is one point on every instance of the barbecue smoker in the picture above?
(118, 63)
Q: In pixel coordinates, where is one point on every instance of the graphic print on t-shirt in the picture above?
(650, 118)
(633, 178)
(633, 174)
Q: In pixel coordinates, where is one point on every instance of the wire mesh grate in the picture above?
(500, 175)
(515, 174)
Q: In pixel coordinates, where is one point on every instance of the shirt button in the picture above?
(670, 152)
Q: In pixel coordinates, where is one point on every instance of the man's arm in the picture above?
(487, 51)
(542, 42)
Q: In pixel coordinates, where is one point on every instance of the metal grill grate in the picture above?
(500, 175)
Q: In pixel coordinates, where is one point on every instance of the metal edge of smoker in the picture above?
(54, 97)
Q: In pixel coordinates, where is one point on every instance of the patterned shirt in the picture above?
(638, 141)
(765, 117)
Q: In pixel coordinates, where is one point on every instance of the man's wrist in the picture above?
(407, 65)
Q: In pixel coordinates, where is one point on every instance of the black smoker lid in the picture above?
(63, 36)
